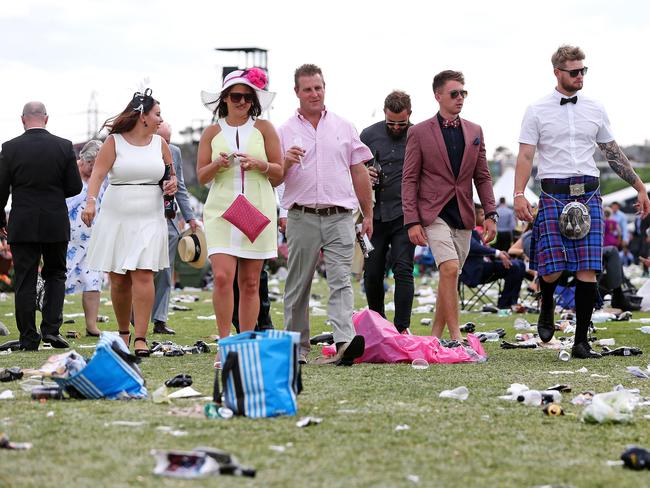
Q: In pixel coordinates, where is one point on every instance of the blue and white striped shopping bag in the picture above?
(261, 374)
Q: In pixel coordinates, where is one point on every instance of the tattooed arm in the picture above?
(621, 165)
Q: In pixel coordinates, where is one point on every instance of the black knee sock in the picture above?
(547, 289)
(585, 299)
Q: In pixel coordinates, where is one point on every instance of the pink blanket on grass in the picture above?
(385, 345)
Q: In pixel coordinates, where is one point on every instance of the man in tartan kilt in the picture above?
(565, 130)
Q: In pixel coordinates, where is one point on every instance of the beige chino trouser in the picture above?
(307, 235)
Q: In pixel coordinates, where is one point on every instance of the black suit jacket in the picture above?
(40, 170)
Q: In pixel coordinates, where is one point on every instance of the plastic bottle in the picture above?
(521, 324)
(551, 396)
(530, 397)
(490, 336)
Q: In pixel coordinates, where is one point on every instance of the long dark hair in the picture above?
(222, 108)
(141, 103)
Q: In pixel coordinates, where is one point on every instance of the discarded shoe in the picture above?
(621, 351)
(12, 346)
(179, 381)
(10, 374)
(468, 328)
(326, 338)
(490, 309)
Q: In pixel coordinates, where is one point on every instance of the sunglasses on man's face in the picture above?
(397, 124)
(236, 97)
(455, 93)
(573, 73)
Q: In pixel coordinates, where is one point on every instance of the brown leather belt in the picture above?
(326, 211)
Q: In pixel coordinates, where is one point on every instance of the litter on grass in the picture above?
(201, 462)
(613, 406)
(5, 443)
(307, 421)
(461, 393)
(125, 423)
(187, 392)
(419, 363)
(171, 431)
(7, 395)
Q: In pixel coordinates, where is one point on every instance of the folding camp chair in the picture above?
(477, 297)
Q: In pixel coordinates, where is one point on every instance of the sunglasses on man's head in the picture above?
(455, 93)
(575, 72)
(236, 97)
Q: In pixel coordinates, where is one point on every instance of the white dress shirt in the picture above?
(565, 135)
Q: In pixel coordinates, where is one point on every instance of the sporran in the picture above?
(575, 221)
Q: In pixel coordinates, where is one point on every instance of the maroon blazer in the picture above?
(428, 181)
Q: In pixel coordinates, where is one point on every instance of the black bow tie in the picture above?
(573, 99)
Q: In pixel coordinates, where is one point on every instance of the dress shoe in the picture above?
(546, 323)
(161, 328)
(582, 350)
(625, 304)
(56, 341)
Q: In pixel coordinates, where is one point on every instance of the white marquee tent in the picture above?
(505, 187)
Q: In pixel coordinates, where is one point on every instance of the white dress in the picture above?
(131, 231)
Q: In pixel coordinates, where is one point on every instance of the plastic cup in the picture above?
(419, 363)
(564, 355)
(297, 141)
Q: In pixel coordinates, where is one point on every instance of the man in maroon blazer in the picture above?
(443, 156)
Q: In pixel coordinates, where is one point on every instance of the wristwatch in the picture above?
(493, 216)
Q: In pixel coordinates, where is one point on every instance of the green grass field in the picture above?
(483, 441)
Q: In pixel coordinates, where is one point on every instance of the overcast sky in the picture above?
(59, 52)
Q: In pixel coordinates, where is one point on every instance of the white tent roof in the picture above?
(505, 187)
(622, 195)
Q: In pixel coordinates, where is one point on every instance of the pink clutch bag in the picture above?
(243, 215)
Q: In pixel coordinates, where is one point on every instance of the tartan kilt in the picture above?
(548, 246)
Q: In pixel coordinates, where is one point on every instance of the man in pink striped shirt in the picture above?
(324, 181)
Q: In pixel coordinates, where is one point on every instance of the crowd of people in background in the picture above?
(403, 189)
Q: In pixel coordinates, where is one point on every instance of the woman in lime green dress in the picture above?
(239, 145)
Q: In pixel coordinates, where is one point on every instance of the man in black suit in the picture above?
(40, 170)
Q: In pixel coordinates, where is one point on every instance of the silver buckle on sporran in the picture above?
(577, 189)
(575, 221)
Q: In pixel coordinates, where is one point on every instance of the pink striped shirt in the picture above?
(324, 178)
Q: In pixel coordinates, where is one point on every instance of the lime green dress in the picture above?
(223, 237)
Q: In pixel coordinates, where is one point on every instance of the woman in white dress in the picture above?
(130, 236)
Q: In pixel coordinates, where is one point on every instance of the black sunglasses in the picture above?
(236, 97)
(455, 93)
(397, 124)
(575, 72)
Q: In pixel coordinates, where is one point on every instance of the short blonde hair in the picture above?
(566, 53)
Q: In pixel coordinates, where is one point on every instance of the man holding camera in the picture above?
(387, 141)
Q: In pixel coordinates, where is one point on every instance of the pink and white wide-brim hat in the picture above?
(253, 77)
